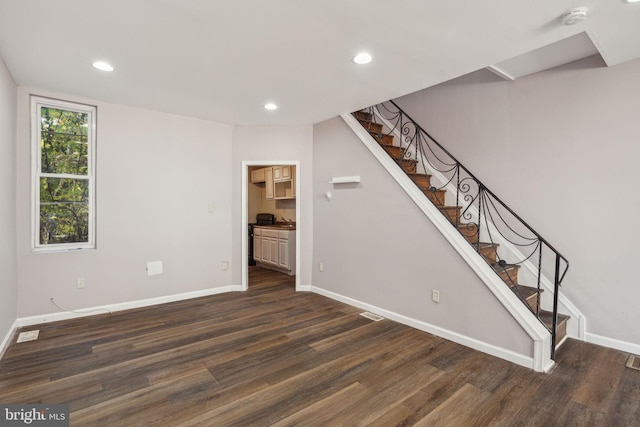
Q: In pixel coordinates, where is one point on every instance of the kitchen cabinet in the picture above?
(279, 181)
(281, 173)
(284, 187)
(258, 175)
(268, 178)
(275, 248)
(283, 254)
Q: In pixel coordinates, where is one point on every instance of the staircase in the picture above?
(417, 153)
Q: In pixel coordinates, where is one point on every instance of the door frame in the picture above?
(245, 220)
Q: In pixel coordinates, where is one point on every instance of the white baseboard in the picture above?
(509, 355)
(7, 339)
(92, 311)
(627, 347)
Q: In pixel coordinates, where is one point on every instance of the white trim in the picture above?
(36, 104)
(627, 347)
(509, 300)
(509, 355)
(7, 339)
(92, 311)
(245, 216)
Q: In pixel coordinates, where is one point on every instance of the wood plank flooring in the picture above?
(271, 356)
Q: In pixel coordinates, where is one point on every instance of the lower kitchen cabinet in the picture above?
(275, 249)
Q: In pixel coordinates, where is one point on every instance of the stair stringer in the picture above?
(540, 336)
(576, 326)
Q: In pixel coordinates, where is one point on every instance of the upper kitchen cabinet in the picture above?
(258, 175)
(282, 173)
(268, 175)
(284, 183)
(279, 181)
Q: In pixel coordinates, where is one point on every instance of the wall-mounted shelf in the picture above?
(344, 179)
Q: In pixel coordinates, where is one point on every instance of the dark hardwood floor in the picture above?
(271, 356)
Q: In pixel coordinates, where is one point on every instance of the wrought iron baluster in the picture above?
(498, 217)
(539, 276)
(480, 197)
(457, 193)
(556, 287)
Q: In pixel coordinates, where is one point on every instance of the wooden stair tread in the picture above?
(561, 328)
(422, 180)
(363, 116)
(489, 251)
(393, 150)
(483, 245)
(526, 291)
(382, 138)
(497, 266)
(547, 316)
(437, 197)
(371, 126)
(426, 175)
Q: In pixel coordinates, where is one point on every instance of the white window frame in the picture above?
(37, 102)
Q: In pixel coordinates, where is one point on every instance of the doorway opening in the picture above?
(271, 195)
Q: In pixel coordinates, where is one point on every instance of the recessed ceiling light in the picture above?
(362, 58)
(270, 106)
(632, 1)
(103, 66)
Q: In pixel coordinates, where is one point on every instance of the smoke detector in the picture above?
(574, 16)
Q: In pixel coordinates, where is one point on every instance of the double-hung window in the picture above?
(63, 180)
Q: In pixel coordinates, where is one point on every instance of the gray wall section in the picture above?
(561, 147)
(379, 248)
(8, 266)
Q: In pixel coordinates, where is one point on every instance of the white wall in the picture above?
(561, 147)
(271, 144)
(156, 175)
(378, 248)
(8, 269)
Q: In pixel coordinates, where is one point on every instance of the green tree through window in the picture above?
(64, 175)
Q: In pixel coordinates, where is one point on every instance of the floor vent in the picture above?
(28, 336)
(372, 316)
(633, 362)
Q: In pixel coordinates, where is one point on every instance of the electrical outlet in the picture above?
(435, 295)
(321, 266)
(211, 208)
(81, 283)
(225, 265)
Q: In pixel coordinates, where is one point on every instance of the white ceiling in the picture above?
(223, 60)
(553, 55)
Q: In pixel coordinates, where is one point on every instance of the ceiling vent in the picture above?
(574, 16)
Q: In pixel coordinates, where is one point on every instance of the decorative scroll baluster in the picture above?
(416, 145)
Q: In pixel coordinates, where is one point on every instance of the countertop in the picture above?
(279, 226)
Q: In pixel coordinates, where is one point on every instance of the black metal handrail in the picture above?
(483, 212)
